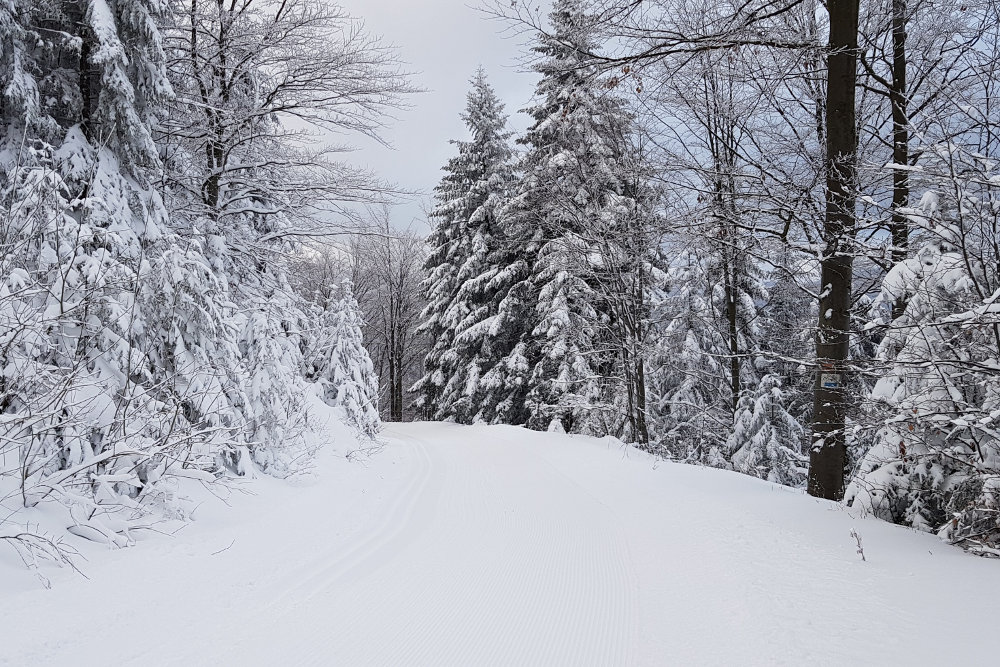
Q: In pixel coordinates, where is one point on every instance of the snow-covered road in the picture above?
(498, 546)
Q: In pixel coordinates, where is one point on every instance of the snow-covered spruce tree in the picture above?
(688, 381)
(563, 147)
(462, 268)
(766, 439)
(574, 207)
(784, 342)
(337, 359)
(91, 408)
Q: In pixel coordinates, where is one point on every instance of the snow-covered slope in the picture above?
(498, 546)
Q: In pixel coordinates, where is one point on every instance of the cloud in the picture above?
(442, 42)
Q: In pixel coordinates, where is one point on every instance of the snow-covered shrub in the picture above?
(93, 415)
(936, 461)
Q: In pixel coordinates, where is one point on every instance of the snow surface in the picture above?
(498, 546)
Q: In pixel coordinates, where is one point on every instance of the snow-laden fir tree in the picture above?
(766, 439)
(558, 199)
(688, 374)
(573, 211)
(337, 359)
(464, 269)
(88, 391)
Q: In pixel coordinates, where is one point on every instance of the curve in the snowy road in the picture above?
(492, 559)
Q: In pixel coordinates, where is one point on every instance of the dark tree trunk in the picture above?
(89, 77)
(828, 453)
(393, 384)
(641, 427)
(900, 228)
(635, 388)
(732, 321)
(722, 142)
(396, 408)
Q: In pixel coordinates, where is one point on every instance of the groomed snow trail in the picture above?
(498, 546)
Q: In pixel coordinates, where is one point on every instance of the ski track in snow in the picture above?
(498, 546)
(464, 570)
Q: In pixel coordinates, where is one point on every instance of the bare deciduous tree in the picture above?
(385, 266)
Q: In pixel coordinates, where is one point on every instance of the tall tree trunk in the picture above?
(642, 426)
(397, 389)
(89, 75)
(392, 384)
(900, 228)
(828, 453)
(732, 322)
(630, 387)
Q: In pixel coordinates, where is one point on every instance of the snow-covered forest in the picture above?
(733, 240)
(758, 237)
(163, 170)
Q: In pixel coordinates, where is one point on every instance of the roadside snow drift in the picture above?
(499, 546)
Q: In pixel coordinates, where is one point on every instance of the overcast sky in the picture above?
(442, 42)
